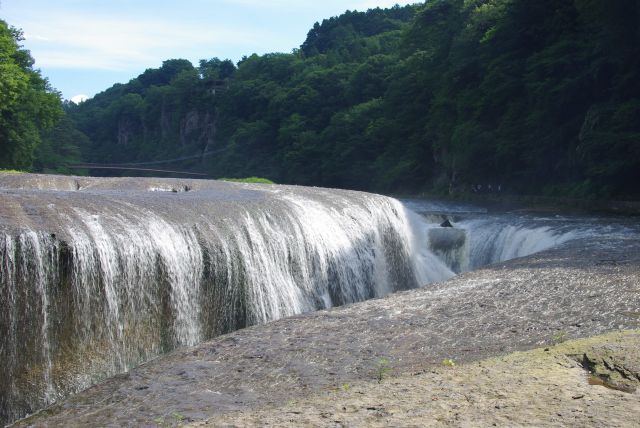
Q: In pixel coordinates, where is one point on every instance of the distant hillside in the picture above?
(534, 97)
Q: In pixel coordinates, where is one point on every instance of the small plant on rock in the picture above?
(448, 362)
(559, 337)
(382, 369)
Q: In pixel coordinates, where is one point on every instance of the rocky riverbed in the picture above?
(414, 358)
(550, 386)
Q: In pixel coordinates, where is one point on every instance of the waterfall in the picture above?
(478, 239)
(100, 275)
(492, 242)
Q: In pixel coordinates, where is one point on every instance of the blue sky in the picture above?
(85, 46)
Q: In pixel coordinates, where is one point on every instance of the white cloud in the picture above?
(72, 39)
(81, 41)
(344, 5)
(272, 4)
(77, 99)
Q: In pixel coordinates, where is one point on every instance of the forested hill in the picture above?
(276, 115)
(538, 97)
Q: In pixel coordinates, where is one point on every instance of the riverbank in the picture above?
(550, 386)
(580, 289)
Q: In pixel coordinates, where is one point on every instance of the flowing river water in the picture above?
(100, 275)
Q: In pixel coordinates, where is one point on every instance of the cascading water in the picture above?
(478, 238)
(99, 275)
(492, 241)
(475, 243)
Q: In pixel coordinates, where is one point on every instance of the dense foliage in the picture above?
(28, 106)
(537, 97)
(543, 96)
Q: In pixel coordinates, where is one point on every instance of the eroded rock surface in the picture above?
(580, 289)
(543, 387)
(613, 365)
(98, 275)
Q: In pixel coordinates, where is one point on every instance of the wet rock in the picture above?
(613, 366)
(449, 244)
(97, 281)
(447, 239)
(536, 296)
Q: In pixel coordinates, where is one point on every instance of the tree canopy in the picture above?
(28, 105)
(537, 97)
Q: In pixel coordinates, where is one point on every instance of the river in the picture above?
(100, 275)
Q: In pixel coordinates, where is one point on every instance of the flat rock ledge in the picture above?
(411, 359)
(545, 387)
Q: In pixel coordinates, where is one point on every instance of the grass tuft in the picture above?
(249, 180)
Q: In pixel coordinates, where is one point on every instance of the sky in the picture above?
(85, 46)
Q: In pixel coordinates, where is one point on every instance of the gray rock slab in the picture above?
(583, 288)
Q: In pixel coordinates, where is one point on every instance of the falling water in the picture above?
(492, 242)
(97, 281)
(478, 238)
(99, 275)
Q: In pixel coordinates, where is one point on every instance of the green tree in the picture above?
(28, 105)
(60, 146)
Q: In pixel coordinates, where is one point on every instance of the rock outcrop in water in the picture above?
(99, 275)
(450, 245)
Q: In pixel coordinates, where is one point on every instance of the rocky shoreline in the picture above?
(263, 375)
(549, 386)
